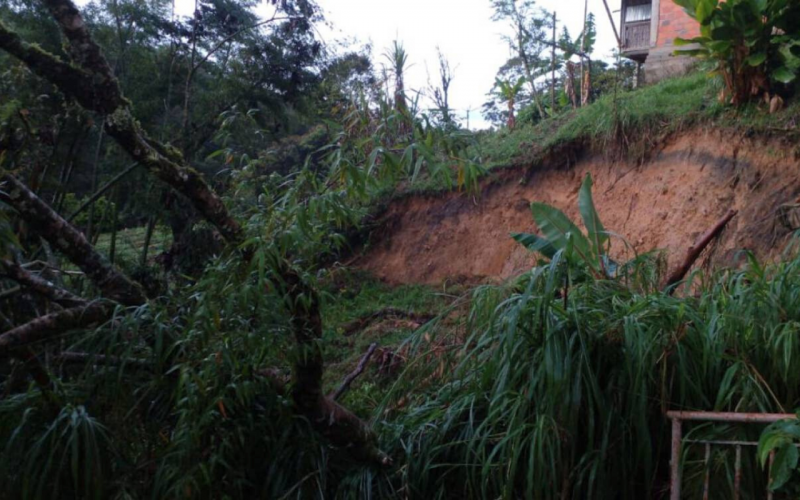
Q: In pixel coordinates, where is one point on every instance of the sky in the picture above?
(464, 31)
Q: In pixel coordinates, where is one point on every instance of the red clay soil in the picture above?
(663, 203)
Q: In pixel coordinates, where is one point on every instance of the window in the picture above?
(636, 13)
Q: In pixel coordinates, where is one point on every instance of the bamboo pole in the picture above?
(583, 42)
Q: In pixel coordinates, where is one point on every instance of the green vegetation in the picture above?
(211, 371)
(755, 44)
(628, 123)
(355, 296)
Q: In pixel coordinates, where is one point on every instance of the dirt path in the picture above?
(664, 203)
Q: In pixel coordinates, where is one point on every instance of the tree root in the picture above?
(354, 374)
(387, 312)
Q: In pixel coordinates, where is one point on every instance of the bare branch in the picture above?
(100, 359)
(387, 312)
(355, 373)
(100, 192)
(236, 34)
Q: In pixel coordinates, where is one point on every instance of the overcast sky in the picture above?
(464, 31)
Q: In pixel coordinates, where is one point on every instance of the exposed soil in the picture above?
(663, 203)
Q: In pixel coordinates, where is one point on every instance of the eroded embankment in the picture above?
(665, 202)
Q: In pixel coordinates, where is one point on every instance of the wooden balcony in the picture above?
(636, 38)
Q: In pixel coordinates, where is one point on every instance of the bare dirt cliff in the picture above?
(665, 202)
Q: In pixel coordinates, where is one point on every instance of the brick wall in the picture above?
(674, 22)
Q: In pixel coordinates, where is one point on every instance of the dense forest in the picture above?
(184, 203)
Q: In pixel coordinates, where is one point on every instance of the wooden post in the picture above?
(675, 461)
(553, 69)
(613, 25)
(583, 42)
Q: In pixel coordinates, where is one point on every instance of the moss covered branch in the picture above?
(70, 79)
(90, 81)
(57, 323)
(40, 285)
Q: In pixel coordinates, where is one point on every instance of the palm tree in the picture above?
(398, 58)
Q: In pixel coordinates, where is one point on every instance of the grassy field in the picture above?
(130, 243)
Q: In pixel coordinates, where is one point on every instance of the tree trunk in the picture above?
(520, 27)
(56, 323)
(40, 285)
(586, 85)
(114, 223)
(148, 236)
(187, 90)
(583, 41)
(90, 226)
(570, 84)
(553, 70)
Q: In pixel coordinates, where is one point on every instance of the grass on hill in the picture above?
(633, 122)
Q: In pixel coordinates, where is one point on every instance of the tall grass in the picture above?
(561, 387)
(557, 390)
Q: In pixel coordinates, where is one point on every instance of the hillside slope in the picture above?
(664, 202)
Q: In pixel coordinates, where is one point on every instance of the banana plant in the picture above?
(780, 440)
(756, 43)
(508, 91)
(561, 236)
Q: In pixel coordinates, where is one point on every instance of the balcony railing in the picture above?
(636, 36)
(678, 417)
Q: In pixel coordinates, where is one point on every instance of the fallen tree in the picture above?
(90, 81)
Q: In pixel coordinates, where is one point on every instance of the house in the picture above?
(647, 34)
